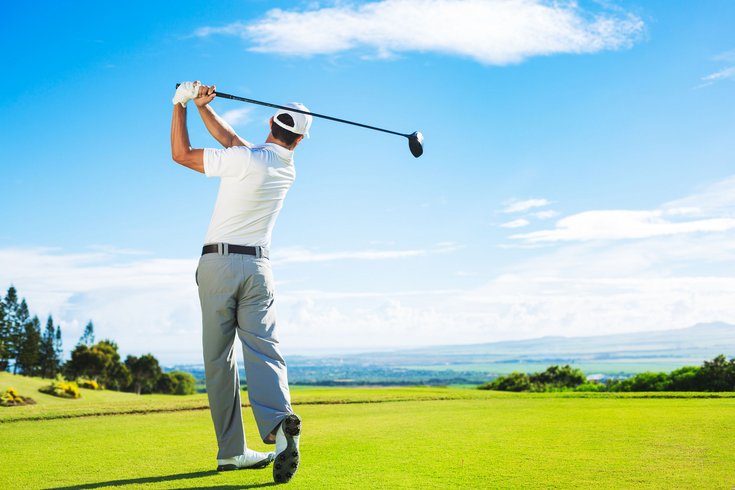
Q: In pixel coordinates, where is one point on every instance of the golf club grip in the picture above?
(313, 114)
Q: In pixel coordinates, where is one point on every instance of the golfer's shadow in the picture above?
(156, 479)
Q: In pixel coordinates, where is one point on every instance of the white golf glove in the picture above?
(185, 92)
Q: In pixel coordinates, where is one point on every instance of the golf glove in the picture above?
(185, 92)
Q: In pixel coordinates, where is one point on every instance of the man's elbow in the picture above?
(191, 158)
(181, 155)
(178, 156)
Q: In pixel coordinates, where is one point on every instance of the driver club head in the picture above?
(416, 144)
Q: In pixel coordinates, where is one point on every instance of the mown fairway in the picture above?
(424, 438)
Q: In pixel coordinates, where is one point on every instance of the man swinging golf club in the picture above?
(235, 281)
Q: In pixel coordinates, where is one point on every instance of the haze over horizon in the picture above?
(578, 175)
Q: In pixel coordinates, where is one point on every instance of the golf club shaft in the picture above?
(314, 114)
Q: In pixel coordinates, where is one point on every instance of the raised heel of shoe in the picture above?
(292, 425)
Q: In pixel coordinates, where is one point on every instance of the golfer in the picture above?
(235, 281)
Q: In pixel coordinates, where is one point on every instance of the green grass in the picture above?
(416, 438)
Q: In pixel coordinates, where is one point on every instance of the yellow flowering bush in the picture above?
(90, 384)
(11, 398)
(62, 388)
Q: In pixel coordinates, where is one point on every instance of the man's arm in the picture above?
(181, 150)
(217, 127)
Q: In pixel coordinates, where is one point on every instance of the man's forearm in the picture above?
(181, 150)
(218, 127)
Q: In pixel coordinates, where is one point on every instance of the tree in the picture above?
(22, 319)
(145, 371)
(3, 337)
(59, 346)
(11, 330)
(512, 382)
(176, 383)
(88, 335)
(48, 357)
(684, 379)
(87, 362)
(165, 384)
(29, 347)
(559, 377)
(185, 383)
(118, 377)
(646, 381)
(717, 374)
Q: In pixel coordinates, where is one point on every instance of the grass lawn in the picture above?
(463, 439)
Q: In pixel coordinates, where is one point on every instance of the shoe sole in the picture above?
(257, 466)
(287, 462)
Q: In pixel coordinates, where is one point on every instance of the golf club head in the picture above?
(416, 144)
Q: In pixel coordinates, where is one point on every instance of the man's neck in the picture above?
(278, 142)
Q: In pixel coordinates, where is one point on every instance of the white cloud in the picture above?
(149, 304)
(718, 76)
(709, 211)
(516, 223)
(237, 117)
(727, 73)
(577, 287)
(621, 225)
(522, 206)
(301, 255)
(545, 214)
(491, 32)
(145, 304)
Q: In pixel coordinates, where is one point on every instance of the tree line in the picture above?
(717, 374)
(27, 349)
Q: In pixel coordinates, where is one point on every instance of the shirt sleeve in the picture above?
(227, 162)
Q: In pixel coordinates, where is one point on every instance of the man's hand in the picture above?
(185, 92)
(205, 95)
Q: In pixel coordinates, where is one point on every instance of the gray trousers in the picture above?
(236, 294)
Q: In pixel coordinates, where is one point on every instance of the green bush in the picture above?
(512, 382)
(62, 389)
(176, 383)
(591, 387)
(558, 378)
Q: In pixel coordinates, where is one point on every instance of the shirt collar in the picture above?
(282, 152)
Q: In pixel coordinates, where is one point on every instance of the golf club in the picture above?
(415, 139)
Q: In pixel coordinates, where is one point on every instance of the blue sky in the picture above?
(578, 175)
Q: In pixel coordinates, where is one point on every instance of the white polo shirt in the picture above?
(254, 183)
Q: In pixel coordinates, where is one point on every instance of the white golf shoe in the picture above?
(287, 449)
(251, 460)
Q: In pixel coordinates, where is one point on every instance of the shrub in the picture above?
(647, 381)
(591, 387)
(176, 383)
(62, 388)
(511, 382)
(89, 384)
(557, 378)
(11, 398)
(684, 379)
(185, 383)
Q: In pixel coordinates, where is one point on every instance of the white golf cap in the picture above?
(301, 122)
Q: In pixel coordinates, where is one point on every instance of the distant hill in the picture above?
(701, 341)
(610, 355)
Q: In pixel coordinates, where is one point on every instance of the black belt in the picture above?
(226, 248)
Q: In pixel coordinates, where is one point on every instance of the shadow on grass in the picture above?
(156, 479)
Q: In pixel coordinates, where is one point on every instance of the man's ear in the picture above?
(297, 141)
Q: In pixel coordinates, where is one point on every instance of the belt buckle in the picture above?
(223, 248)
